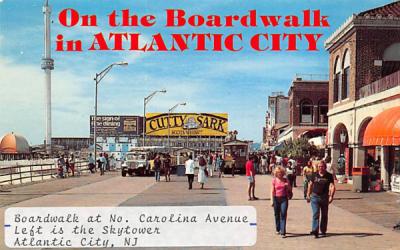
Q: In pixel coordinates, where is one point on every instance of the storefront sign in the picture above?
(108, 125)
(187, 124)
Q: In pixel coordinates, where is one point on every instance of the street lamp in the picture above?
(169, 112)
(97, 79)
(147, 100)
(342, 137)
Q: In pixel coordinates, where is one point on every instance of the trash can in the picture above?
(180, 170)
(360, 179)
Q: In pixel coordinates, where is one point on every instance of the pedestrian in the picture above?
(264, 165)
(272, 163)
(278, 160)
(221, 166)
(167, 167)
(67, 166)
(102, 163)
(112, 162)
(251, 177)
(290, 173)
(157, 167)
(72, 164)
(189, 170)
(61, 166)
(107, 162)
(256, 162)
(202, 175)
(321, 191)
(210, 165)
(92, 164)
(307, 174)
(281, 192)
(294, 168)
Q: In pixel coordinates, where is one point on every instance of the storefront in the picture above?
(382, 141)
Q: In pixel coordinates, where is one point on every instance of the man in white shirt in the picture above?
(189, 170)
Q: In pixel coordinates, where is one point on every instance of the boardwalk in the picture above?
(350, 227)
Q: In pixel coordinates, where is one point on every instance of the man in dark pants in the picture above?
(321, 189)
(189, 171)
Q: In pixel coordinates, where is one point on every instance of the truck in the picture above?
(138, 161)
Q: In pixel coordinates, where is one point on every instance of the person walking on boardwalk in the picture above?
(167, 167)
(307, 174)
(210, 168)
(321, 190)
(61, 166)
(290, 173)
(157, 167)
(189, 171)
(221, 166)
(281, 192)
(251, 177)
(102, 163)
(202, 176)
(92, 165)
(72, 164)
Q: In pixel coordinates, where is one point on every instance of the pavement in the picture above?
(356, 221)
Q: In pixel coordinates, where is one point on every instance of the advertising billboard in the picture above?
(187, 124)
(114, 125)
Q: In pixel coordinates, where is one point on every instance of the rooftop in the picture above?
(388, 10)
(384, 16)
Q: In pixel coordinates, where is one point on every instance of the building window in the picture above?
(345, 84)
(323, 111)
(337, 80)
(306, 112)
(391, 59)
(336, 87)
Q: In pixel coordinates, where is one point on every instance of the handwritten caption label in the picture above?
(56, 227)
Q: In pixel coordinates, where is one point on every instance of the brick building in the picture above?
(364, 91)
(308, 108)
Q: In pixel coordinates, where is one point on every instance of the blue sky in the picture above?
(235, 83)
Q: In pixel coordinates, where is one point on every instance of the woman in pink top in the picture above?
(281, 192)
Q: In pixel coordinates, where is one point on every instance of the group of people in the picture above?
(207, 164)
(104, 163)
(162, 162)
(66, 165)
(319, 190)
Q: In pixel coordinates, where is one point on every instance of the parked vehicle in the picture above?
(135, 163)
(139, 161)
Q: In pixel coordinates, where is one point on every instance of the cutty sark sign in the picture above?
(187, 124)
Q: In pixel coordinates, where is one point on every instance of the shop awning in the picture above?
(278, 146)
(384, 129)
(315, 132)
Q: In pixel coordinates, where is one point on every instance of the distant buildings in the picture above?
(276, 119)
(303, 113)
(308, 108)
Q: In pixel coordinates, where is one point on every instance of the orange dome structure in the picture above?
(14, 144)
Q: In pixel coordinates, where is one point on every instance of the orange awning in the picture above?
(384, 129)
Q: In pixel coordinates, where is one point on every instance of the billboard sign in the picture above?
(114, 125)
(187, 124)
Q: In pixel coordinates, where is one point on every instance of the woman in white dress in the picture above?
(201, 176)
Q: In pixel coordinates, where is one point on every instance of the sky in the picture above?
(237, 83)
